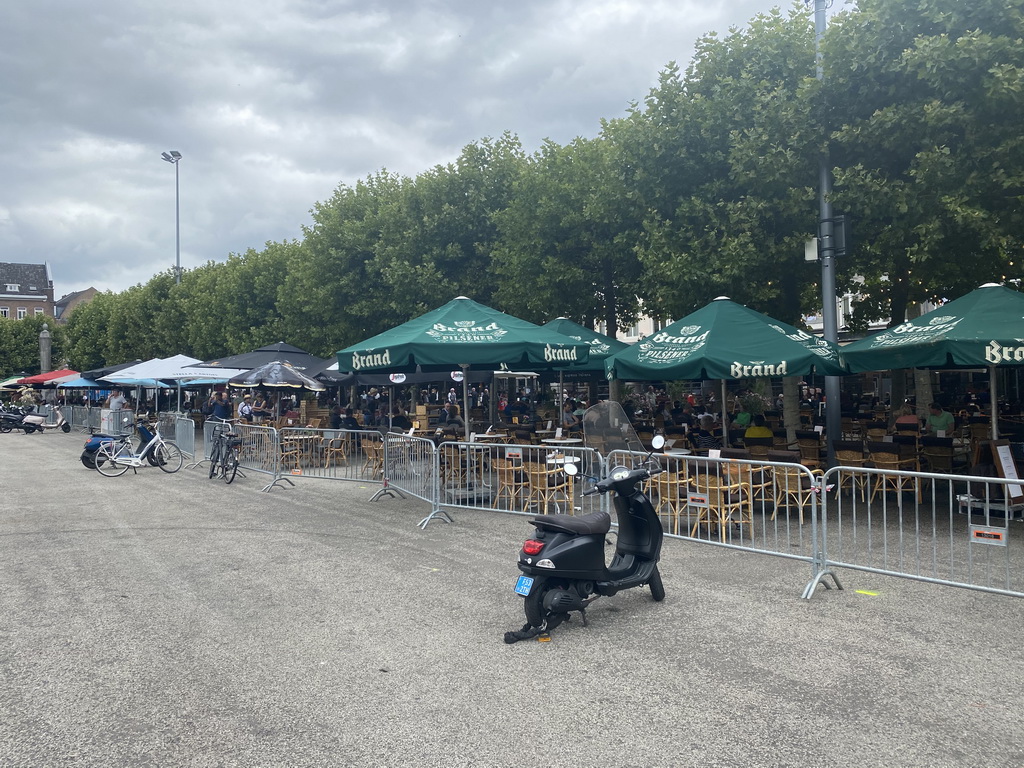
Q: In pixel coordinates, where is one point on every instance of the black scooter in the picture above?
(563, 565)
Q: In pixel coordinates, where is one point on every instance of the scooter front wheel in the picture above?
(657, 588)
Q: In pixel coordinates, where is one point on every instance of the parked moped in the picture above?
(563, 564)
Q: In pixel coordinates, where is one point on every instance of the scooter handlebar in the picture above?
(632, 476)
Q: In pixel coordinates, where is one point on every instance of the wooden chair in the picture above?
(373, 450)
(757, 479)
(940, 457)
(759, 447)
(314, 423)
(513, 484)
(671, 490)
(791, 485)
(850, 453)
(335, 449)
(809, 444)
(888, 456)
(875, 430)
(546, 484)
(727, 505)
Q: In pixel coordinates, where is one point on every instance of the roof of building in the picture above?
(30, 279)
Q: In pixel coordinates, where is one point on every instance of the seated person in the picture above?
(569, 420)
(350, 421)
(939, 420)
(337, 419)
(758, 428)
(704, 438)
(906, 418)
(454, 425)
(400, 421)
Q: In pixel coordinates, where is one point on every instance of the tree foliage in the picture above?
(708, 186)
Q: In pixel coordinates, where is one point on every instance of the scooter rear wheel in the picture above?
(657, 588)
(5, 426)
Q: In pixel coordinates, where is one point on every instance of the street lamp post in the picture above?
(173, 157)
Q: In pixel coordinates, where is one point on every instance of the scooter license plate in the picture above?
(523, 585)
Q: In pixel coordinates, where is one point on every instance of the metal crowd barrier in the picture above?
(944, 529)
(331, 454)
(764, 507)
(514, 478)
(185, 435)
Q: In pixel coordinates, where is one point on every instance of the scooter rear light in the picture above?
(532, 546)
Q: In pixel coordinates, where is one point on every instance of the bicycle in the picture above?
(116, 456)
(224, 455)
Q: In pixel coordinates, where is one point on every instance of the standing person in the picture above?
(116, 401)
(222, 410)
(453, 396)
(569, 420)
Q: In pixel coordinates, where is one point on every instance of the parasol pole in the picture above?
(993, 401)
(465, 396)
(725, 419)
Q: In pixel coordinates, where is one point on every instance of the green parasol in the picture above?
(984, 329)
(462, 334)
(601, 346)
(725, 340)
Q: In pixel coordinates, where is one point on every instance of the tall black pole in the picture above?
(826, 235)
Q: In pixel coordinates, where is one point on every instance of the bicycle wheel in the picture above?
(215, 459)
(169, 456)
(107, 460)
(230, 464)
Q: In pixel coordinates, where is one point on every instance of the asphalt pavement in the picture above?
(171, 620)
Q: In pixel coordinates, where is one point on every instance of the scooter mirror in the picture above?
(658, 442)
(571, 469)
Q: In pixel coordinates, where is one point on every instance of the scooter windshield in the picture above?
(606, 429)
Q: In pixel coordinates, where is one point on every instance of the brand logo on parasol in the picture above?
(552, 355)
(666, 349)
(996, 353)
(757, 369)
(378, 360)
(688, 336)
(908, 333)
(462, 331)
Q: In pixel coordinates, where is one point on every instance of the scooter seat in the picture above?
(596, 522)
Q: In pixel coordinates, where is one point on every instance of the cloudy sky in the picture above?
(275, 103)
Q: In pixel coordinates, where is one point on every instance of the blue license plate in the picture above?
(523, 585)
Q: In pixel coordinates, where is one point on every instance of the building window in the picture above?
(39, 310)
(5, 311)
(22, 312)
(13, 287)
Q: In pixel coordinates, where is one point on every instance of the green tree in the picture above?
(926, 98)
(567, 238)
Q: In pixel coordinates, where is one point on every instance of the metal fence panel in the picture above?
(946, 529)
(332, 454)
(515, 478)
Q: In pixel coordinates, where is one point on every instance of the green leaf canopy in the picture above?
(463, 333)
(601, 346)
(725, 340)
(982, 329)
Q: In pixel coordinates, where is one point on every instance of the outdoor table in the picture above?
(563, 460)
(487, 438)
(677, 452)
(562, 440)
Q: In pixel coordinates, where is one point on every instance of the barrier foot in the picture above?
(274, 484)
(437, 514)
(195, 464)
(387, 490)
(819, 578)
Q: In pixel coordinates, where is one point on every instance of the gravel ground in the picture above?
(165, 620)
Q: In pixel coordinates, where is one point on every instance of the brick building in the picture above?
(25, 289)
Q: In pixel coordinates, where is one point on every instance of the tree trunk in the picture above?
(791, 406)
